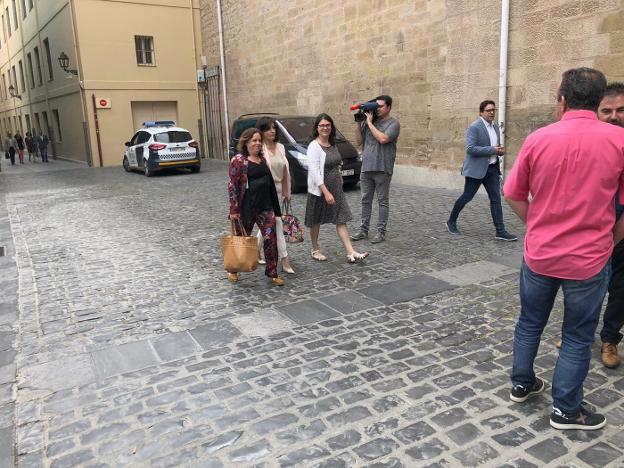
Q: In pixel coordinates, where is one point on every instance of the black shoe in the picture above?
(585, 420)
(379, 237)
(451, 227)
(505, 236)
(520, 393)
(359, 236)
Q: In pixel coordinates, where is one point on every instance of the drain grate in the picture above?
(2, 250)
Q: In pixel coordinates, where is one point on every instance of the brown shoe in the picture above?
(232, 277)
(610, 356)
(278, 281)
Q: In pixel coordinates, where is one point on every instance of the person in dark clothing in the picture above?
(253, 199)
(42, 142)
(10, 145)
(31, 146)
(20, 146)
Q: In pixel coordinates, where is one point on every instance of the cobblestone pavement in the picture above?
(132, 349)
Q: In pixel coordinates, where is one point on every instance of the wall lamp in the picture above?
(64, 63)
(13, 92)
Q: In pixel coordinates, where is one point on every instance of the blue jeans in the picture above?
(491, 182)
(581, 313)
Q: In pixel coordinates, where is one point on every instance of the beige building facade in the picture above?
(437, 58)
(128, 61)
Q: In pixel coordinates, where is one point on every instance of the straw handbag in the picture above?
(240, 253)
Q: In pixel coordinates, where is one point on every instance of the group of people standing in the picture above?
(566, 185)
(260, 178)
(35, 145)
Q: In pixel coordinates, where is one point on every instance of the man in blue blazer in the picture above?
(481, 166)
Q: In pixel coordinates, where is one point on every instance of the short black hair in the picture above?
(332, 134)
(582, 88)
(484, 104)
(265, 123)
(613, 89)
(385, 98)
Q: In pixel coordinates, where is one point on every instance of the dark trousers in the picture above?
(44, 154)
(614, 313)
(265, 220)
(491, 182)
(12, 155)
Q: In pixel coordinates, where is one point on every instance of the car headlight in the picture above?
(300, 157)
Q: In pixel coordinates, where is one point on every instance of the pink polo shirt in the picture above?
(572, 169)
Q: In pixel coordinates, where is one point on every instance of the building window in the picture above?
(4, 87)
(38, 63)
(4, 34)
(15, 23)
(144, 46)
(23, 8)
(46, 45)
(37, 124)
(22, 82)
(31, 73)
(14, 82)
(46, 123)
(8, 20)
(28, 128)
(30, 5)
(57, 125)
(21, 126)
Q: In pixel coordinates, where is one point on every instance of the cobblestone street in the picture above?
(123, 344)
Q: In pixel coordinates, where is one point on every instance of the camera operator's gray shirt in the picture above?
(375, 156)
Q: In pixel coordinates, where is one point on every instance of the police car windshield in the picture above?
(173, 137)
(300, 128)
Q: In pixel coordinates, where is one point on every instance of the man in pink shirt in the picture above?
(572, 170)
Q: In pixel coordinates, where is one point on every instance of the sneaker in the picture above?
(609, 355)
(451, 227)
(379, 237)
(585, 420)
(520, 393)
(505, 236)
(359, 236)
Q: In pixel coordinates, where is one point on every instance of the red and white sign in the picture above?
(103, 103)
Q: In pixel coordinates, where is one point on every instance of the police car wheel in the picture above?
(147, 171)
(126, 164)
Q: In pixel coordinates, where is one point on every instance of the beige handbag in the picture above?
(240, 253)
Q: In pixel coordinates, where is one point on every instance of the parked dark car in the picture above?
(294, 131)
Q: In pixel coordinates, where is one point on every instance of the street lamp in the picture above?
(64, 63)
(13, 92)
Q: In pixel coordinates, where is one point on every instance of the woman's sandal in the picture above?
(318, 256)
(356, 257)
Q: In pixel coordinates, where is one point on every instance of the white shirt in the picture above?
(493, 139)
(316, 168)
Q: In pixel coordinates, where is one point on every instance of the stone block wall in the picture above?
(437, 58)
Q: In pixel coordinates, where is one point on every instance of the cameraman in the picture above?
(378, 134)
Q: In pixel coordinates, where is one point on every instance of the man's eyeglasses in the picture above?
(324, 126)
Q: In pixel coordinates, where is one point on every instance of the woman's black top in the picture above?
(260, 194)
(20, 142)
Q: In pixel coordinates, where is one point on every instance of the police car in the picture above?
(161, 145)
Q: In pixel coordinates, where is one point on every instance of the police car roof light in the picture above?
(159, 123)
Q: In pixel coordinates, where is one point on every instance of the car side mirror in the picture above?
(127, 143)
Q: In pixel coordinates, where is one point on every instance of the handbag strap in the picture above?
(286, 206)
(240, 225)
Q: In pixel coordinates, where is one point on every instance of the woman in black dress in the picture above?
(253, 198)
(326, 200)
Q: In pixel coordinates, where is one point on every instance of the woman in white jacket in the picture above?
(275, 155)
(326, 200)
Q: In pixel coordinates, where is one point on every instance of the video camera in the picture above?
(362, 108)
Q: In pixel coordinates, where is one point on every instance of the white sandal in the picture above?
(318, 256)
(356, 257)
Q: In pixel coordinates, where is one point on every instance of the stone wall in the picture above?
(437, 58)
